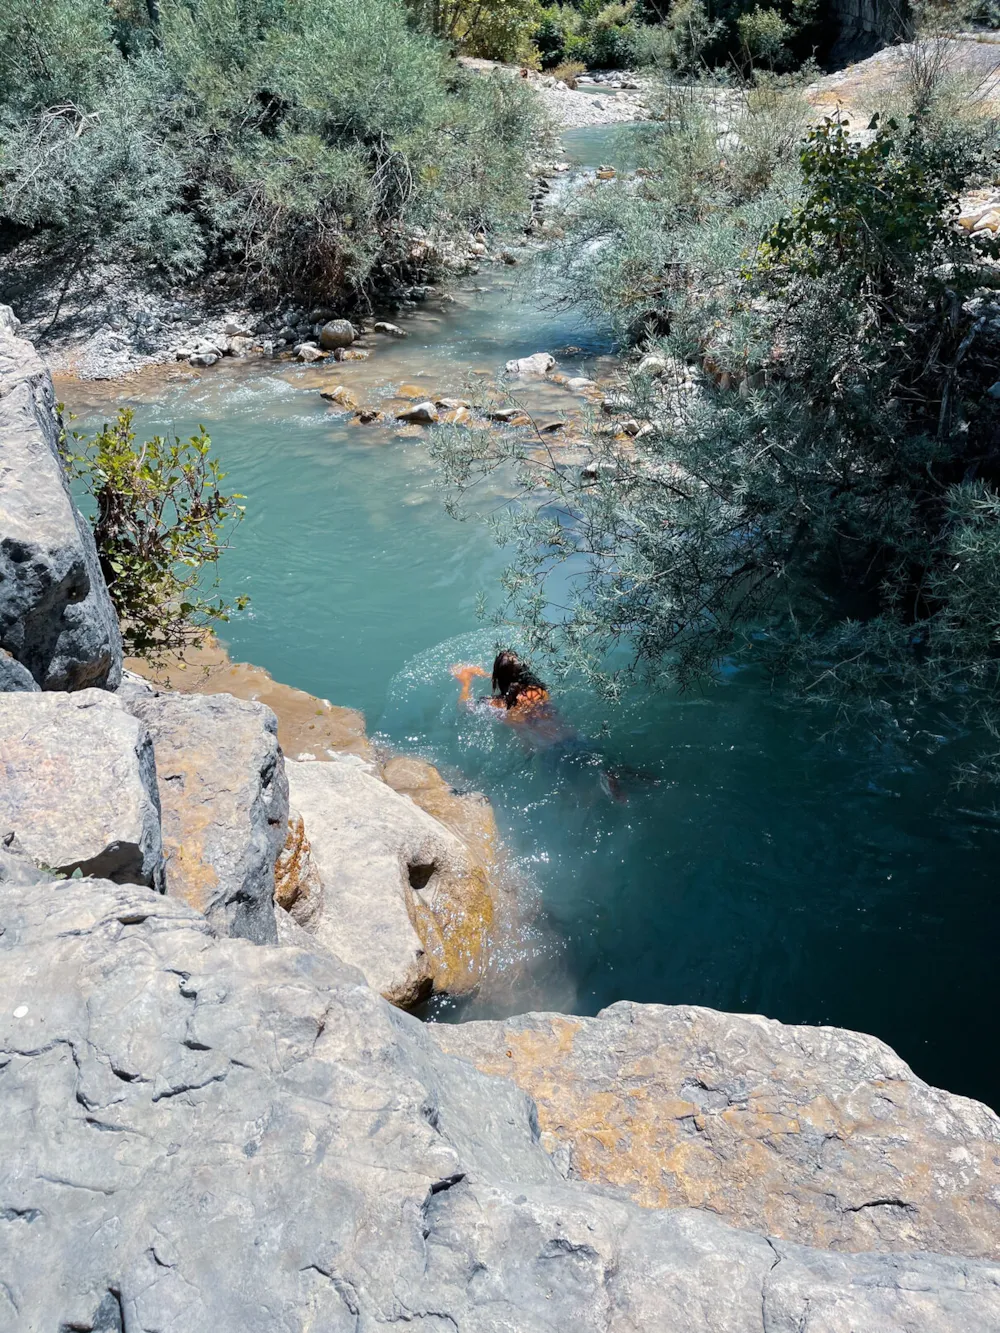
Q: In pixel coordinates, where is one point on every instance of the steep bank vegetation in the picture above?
(814, 479)
(294, 144)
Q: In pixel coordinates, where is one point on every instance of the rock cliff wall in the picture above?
(860, 27)
(200, 1133)
(58, 629)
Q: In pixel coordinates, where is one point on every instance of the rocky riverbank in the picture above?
(210, 1117)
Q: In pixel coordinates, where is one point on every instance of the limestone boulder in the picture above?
(56, 618)
(203, 1135)
(78, 786)
(807, 1133)
(404, 900)
(224, 799)
(531, 367)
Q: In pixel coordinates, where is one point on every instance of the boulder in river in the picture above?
(391, 330)
(78, 788)
(811, 1133)
(531, 367)
(224, 798)
(420, 414)
(340, 397)
(404, 899)
(56, 618)
(336, 333)
(200, 1134)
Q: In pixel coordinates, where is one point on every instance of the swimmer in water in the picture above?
(527, 705)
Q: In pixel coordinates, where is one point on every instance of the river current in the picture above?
(758, 865)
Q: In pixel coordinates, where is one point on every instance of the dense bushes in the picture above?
(819, 487)
(295, 142)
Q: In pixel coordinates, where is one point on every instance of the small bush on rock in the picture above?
(160, 520)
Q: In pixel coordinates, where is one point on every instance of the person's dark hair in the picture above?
(511, 677)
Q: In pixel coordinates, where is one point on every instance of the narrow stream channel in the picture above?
(755, 867)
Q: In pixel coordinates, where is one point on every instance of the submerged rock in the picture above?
(391, 330)
(56, 618)
(813, 1134)
(78, 788)
(199, 1134)
(224, 800)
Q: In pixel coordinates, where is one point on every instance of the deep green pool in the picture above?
(764, 869)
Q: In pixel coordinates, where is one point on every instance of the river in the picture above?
(756, 866)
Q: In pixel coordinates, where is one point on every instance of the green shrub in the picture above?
(824, 500)
(159, 520)
(295, 143)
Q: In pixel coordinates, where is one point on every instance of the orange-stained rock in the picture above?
(306, 724)
(298, 888)
(816, 1135)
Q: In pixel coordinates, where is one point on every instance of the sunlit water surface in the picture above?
(755, 866)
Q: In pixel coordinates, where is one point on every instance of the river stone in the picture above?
(807, 1133)
(78, 785)
(199, 1134)
(336, 333)
(224, 797)
(527, 367)
(56, 617)
(392, 330)
(404, 899)
(420, 414)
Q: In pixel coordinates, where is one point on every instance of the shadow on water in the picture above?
(765, 870)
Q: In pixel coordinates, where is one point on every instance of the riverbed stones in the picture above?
(341, 397)
(403, 899)
(199, 1134)
(78, 785)
(811, 1133)
(336, 333)
(56, 618)
(390, 330)
(531, 367)
(420, 414)
(224, 800)
(308, 352)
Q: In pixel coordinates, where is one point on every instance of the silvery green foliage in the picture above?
(298, 142)
(816, 487)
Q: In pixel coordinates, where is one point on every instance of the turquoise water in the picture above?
(755, 865)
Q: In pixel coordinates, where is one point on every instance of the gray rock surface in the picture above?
(336, 333)
(810, 1133)
(78, 785)
(201, 1135)
(14, 676)
(224, 798)
(56, 617)
(397, 884)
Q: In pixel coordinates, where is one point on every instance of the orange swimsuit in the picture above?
(528, 700)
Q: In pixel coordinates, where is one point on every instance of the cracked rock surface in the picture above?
(811, 1133)
(78, 785)
(224, 798)
(56, 617)
(199, 1134)
(403, 898)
